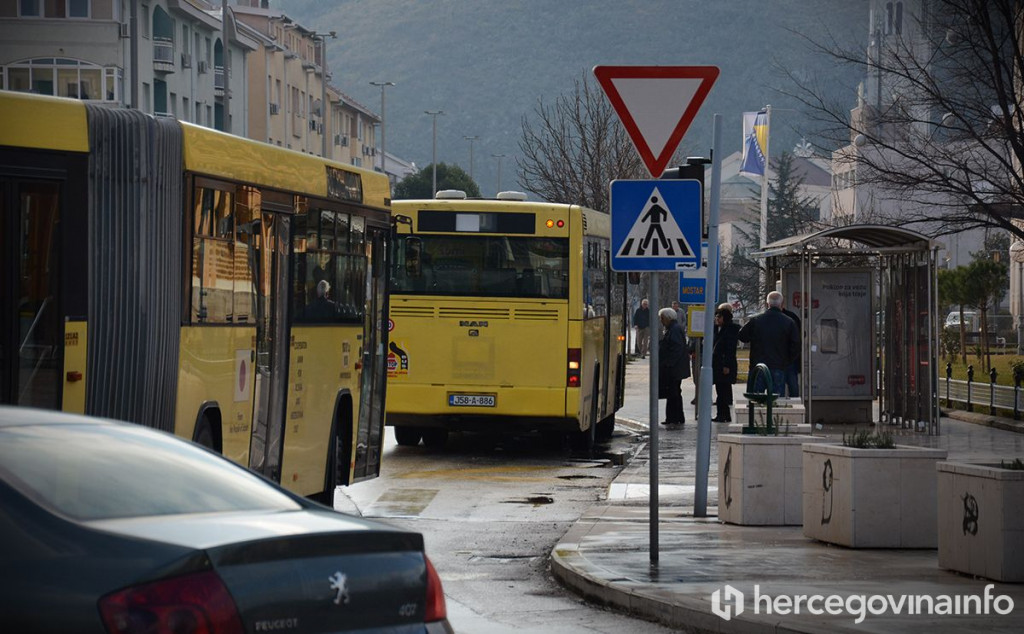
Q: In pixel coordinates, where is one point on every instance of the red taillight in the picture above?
(192, 604)
(572, 376)
(436, 608)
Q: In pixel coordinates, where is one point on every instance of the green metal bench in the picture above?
(767, 400)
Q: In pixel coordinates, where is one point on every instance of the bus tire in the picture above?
(435, 437)
(204, 433)
(605, 428)
(407, 436)
(326, 497)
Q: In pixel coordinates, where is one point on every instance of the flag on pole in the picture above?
(755, 142)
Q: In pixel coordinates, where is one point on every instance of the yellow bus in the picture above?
(226, 290)
(504, 315)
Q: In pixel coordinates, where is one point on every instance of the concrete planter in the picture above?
(759, 479)
(870, 498)
(981, 528)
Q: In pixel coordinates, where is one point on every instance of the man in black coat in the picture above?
(673, 366)
(723, 362)
(642, 323)
(774, 341)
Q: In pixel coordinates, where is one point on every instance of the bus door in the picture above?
(370, 432)
(268, 262)
(31, 326)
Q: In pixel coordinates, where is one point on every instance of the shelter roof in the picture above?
(869, 235)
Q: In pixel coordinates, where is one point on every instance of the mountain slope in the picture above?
(487, 63)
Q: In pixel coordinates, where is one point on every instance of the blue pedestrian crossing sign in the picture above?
(656, 225)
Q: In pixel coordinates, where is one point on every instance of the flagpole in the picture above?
(762, 271)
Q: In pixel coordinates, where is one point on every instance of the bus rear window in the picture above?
(481, 266)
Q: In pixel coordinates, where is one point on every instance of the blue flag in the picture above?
(755, 142)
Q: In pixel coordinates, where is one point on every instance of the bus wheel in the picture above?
(204, 433)
(326, 497)
(605, 428)
(407, 436)
(435, 437)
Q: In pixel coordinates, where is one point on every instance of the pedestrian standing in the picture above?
(642, 323)
(774, 341)
(673, 366)
(723, 362)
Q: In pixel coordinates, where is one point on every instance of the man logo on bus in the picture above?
(473, 324)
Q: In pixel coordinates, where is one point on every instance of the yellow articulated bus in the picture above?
(162, 273)
(504, 315)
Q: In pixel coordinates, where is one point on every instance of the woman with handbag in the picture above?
(673, 366)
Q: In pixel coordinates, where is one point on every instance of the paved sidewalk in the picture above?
(605, 556)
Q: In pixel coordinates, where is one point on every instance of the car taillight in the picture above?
(193, 604)
(572, 376)
(436, 608)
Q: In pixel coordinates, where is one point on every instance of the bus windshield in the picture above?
(482, 266)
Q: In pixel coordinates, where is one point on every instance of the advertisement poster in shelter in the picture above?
(841, 327)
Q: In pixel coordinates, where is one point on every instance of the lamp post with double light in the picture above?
(383, 121)
(471, 139)
(323, 86)
(499, 157)
(433, 159)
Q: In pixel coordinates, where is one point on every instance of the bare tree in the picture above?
(939, 123)
(573, 149)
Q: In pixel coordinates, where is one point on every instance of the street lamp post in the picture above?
(433, 159)
(383, 120)
(471, 139)
(323, 87)
(499, 157)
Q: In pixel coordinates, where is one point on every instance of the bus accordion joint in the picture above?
(572, 378)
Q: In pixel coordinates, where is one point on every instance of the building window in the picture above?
(78, 8)
(30, 8)
(64, 78)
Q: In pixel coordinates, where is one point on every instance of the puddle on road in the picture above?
(401, 503)
(536, 500)
(578, 477)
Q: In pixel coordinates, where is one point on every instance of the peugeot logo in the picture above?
(339, 583)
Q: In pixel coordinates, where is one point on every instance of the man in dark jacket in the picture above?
(642, 323)
(774, 341)
(793, 369)
(723, 362)
(673, 366)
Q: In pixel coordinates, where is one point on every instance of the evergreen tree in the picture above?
(419, 185)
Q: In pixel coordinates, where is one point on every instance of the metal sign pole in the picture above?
(700, 493)
(655, 329)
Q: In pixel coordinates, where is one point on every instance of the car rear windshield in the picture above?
(94, 472)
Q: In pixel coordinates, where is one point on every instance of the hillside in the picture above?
(487, 63)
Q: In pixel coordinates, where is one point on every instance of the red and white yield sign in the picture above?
(656, 104)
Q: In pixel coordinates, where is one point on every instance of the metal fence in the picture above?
(980, 393)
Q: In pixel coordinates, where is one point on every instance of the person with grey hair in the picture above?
(673, 366)
(774, 341)
(323, 308)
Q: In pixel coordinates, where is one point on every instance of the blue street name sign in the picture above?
(656, 225)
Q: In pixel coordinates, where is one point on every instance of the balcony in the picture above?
(163, 55)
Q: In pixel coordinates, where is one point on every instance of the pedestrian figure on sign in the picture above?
(655, 214)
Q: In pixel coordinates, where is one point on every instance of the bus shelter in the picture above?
(867, 298)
